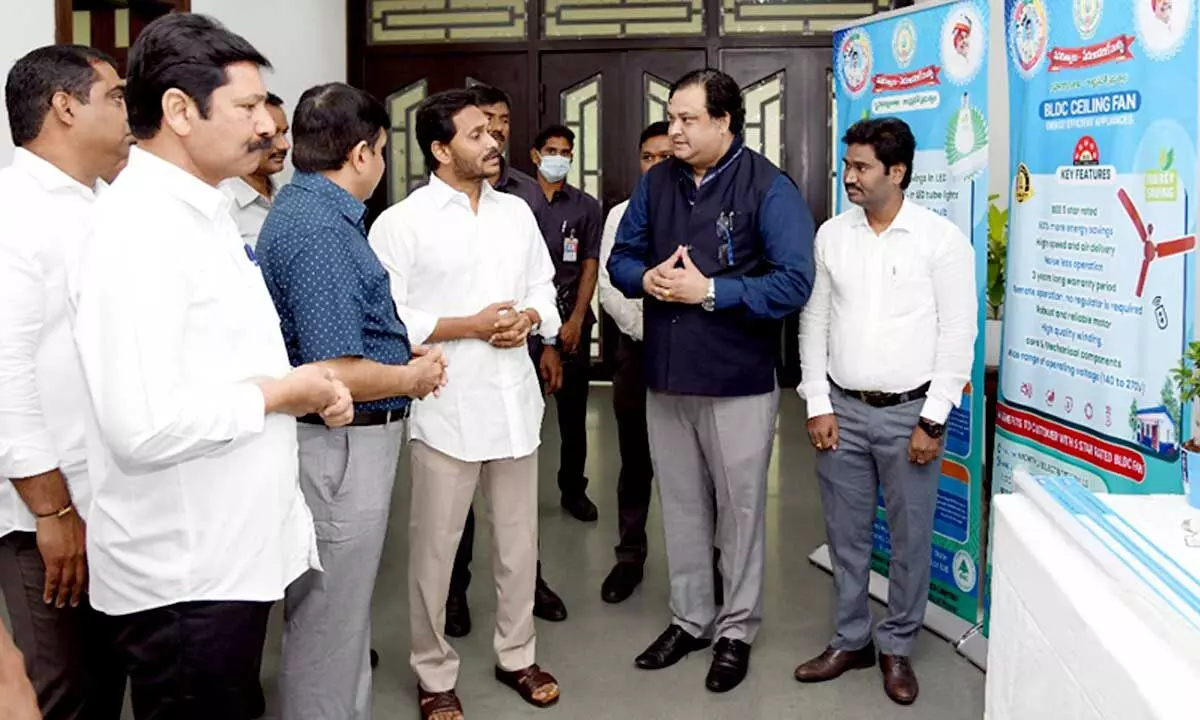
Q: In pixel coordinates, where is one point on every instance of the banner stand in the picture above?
(937, 620)
(974, 647)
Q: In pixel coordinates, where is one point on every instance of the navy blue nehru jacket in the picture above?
(748, 228)
(333, 295)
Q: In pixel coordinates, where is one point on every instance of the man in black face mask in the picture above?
(547, 605)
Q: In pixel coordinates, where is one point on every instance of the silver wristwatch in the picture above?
(709, 302)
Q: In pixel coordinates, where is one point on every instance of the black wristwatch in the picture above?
(932, 429)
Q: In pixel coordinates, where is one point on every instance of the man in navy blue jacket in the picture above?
(719, 243)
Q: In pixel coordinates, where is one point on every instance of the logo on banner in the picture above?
(1085, 167)
(856, 59)
(1023, 185)
(1087, 152)
(904, 42)
(1163, 25)
(1118, 49)
(1087, 17)
(964, 43)
(965, 573)
(1162, 184)
(1027, 32)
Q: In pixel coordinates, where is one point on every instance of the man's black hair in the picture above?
(331, 120)
(554, 131)
(653, 130)
(185, 51)
(35, 78)
(435, 120)
(892, 140)
(722, 96)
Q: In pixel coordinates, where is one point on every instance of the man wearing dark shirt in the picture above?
(335, 307)
(547, 605)
(713, 322)
(571, 226)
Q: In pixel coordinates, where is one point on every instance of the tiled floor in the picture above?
(592, 652)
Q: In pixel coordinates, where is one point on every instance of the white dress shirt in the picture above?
(249, 207)
(447, 261)
(625, 312)
(196, 493)
(43, 220)
(890, 312)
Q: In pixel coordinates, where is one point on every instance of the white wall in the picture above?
(21, 32)
(304, 39)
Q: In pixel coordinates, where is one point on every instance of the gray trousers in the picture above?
(347, 476)
(873, 449)
(710, 459)
(68, 651)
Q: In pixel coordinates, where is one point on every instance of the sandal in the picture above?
(527, 682)
(439, 704)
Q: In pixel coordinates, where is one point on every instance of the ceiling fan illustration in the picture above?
(1151, 250)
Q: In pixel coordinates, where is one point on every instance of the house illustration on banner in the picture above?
(1156, 429)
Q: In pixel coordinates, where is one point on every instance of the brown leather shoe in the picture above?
(833, 663)
(899, 680)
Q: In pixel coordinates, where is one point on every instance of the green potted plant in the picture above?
(997, 257)
(1187, 381)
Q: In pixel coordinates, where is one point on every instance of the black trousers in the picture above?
(194, 660)
(571, 401)
(634, 484)
(69, 656)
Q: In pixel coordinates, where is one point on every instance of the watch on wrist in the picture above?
(709, 302)
(932, 429)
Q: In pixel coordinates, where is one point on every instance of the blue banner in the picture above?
(1101, 296)
(928, 67)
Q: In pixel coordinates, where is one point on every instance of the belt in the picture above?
(363, 418)
(882, 399)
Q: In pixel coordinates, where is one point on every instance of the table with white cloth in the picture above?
(1095, 606)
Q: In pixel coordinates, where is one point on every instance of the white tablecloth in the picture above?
(1079, 630)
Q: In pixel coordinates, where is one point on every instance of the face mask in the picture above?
(554, 167)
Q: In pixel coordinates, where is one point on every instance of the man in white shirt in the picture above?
(198, 523)
(886, 344)
(629, 396)
(469, 269)
(253, 194)
(66, 108)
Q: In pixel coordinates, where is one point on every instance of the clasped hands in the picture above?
(669, 283)
(502, 326)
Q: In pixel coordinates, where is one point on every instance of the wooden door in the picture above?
(607, 99)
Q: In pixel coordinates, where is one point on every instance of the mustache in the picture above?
(260, 145)
(853, 187)
(493, 155)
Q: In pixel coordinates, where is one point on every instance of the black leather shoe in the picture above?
(672, 646)
(580, 507)
(899, 680)
(833, 664)
(547, 605)
(458, 616)
(621, 582)
(731, 660)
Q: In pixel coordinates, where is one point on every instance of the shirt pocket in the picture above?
(909, 282)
